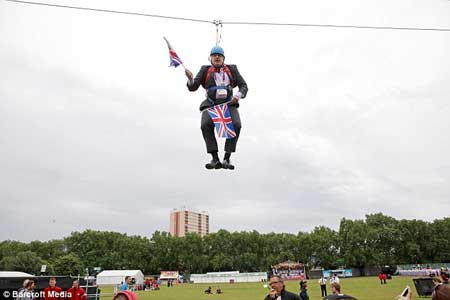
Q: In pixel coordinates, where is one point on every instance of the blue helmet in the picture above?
(217, 50)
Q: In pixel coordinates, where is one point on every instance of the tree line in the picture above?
(375, 241)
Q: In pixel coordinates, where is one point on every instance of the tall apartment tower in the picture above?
(183, 221)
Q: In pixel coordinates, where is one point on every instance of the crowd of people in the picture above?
(125, 291)
(52, 292)
(278, 290)
(149, 284)
(323, 284)
(441, 290)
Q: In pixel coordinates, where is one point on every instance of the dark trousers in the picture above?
(208, 128)
(323, 289)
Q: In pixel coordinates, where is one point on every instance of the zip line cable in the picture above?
(215, 22)
(111, 11)
(335, 26)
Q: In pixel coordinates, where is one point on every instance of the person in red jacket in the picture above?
(53, 292)
(76, 292)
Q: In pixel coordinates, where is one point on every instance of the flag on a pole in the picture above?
(221, 117)
(175, 61)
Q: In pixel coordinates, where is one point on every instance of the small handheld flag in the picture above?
(175, 61)
(221, 117)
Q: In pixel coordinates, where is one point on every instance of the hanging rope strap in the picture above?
(218, 31)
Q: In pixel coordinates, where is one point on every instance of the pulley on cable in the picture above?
(218, 24)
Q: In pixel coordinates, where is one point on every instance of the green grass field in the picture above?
(363, 288)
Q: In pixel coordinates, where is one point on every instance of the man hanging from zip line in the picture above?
(218, 80)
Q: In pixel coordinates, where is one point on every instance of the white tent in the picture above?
(118, 276)
(231, 276)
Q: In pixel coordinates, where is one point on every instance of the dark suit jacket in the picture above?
(285, 295)
(237, 81)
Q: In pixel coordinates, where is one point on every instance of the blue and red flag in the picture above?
(175, 61)
(220, 115)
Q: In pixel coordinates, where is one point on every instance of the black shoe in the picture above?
(227, 165)
(214, 164)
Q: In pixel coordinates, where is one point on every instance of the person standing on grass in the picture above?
(53, 292)
(76, 292)
(126, 285)
(323, 286)
(27, 292)
(334, 278)
(303, 290)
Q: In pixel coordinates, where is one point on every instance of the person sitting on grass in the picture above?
(208, 290)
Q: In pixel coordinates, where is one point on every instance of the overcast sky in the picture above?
(97, 132)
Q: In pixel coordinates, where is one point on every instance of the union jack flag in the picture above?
(175, 61)
(220, 115)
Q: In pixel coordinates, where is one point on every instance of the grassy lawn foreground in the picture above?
(363, 288)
